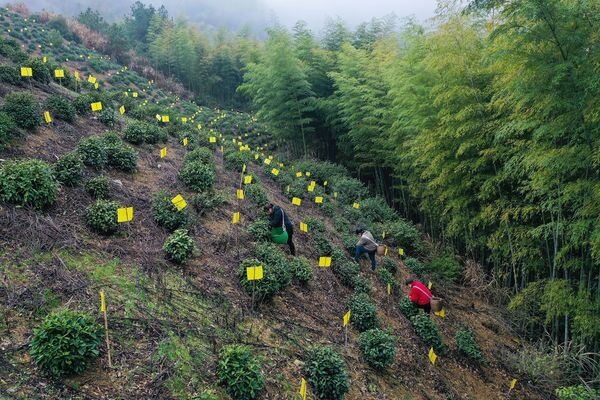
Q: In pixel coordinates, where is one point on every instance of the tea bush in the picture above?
(66, 342)
(107, 116)
(239, 372)
(579, 392)
(322, 245)
(315, 224)
(179, 246)
(40, 70)
(276, 277)
(8, 129)
(427, 331)
(93, 151)
(376, 209)
(197, 176)
(378, 348)
(466, 344)
(165, 213)
(386, 278)
(201, 154)
(60, 108)
(207, 201)
(446, 268)
(301, 270)
(349, 190)
(235, 160)
(138, 132)
(400, 233)
(121, 157)
(256, 194)
(23, 109)
(407, 307)
(328, 209)
(97, 187)
(326, 373)
(101, 217)
(389, 264)
(28, 183)
(345, 271)
(10, 75)
(361, 284)
(259, 230)
(363, 312)
(416, 266)
(68, 169)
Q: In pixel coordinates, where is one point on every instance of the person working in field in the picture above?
(282, 228)
(419, 295)
(366, 244)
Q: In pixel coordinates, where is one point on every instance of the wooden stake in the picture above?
(103, 309)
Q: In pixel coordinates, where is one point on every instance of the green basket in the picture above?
(279, 235)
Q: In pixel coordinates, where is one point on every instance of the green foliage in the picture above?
(315, 224)
(107, 116)
(8, 129)
(326, 373)
(207, 201)
(121, 156)
(179, 246)
(579, 392)
(407, 307)
(66, 343)
(301, 270)
(378, 348)
(386, 278)
(93, 151)
(275, 270)
(446, 268)
(466, 344)
(138, 132)
(428, 331)
(259, 230)
(60, 108)
(197, 176)
(239, 372)
(363, 312)
(68, 169)
(345, 270)
(360, 284)
(349, 190)
(416, 266)
(40, 71)
(375, 209)
(101, 217)
(389, 264)
(400, 233)
(256, 194)
(97, 187)
(235, 160)
(28, 183)
(323, 246)
(23, 109)
(166, 214)
(9, 75)
(201, 154)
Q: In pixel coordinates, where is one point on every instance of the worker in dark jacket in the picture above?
(366, 244)
(419, 295)
(276, 213)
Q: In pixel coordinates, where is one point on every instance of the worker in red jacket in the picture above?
(419, 295)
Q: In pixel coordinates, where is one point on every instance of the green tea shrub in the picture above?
(28, 183)
(101, 217)
(578, 392)
(407, 307)
(315, 224)
(235, 160)
(341, 225)
(11, 49)
(276, 277)
(400, 233)
(121, 157)
(135, 132)
(66, 342)
(416, 266)
(378, 348)
(345, 271)
(363, 312)
(166, 214)
(97, 187)
(326, 373)
(466, 344)
(82, 103)
(301, 270)
(93, 151)
(389, 264)
(40, 70)
(259, 230)
(386, 278)
(201, 154)
(23, 109)
(239, 372)
(328, 209)
(9, 75)
(446, 268)
(427, 331)
(107, 116)
(322, 245)
(349, 242)
(349, 190)
(207, 201)
(321, 171)
(60, 108)
(376, 209)
(8, 129)
(179, 246)
(197, 176)
(68, 169)
(361, 284)
(256, 194)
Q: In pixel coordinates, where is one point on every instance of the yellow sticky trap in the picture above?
(240, 194)
(122, 110)
(325, 183)
(335, 195)
(77, 75)
(256, 156)
(45, 59)
(243, 168)
(96, 85)
(47, 117)
(91, 79)
(347, 318)
(303, 227)
(158, 117)
(401, 252)
(25, 71)
(512, 384)
(270, 157)
(319, 200)
(296, 201)
(441, 313)
(385, 252)
(199, 126)
(96, 106)
(236, 217)
(163, 152)
(267, 161)
(303, 389)
(298, 174)
(124, 214)
(280, 165)
(247, 179)
(310, 188)
(233, 140)
(429, 285)
(432, 356)
(179, 202)
(307, 173)
(325, 262)
(356, 206)
(287, 189)
(102, 302)
(59, 73)
(126, 94)
(254, 273)
(165, 118)
(212, 139)
(185, 141)
(275, 171)
(135, 94)
(389, 289)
